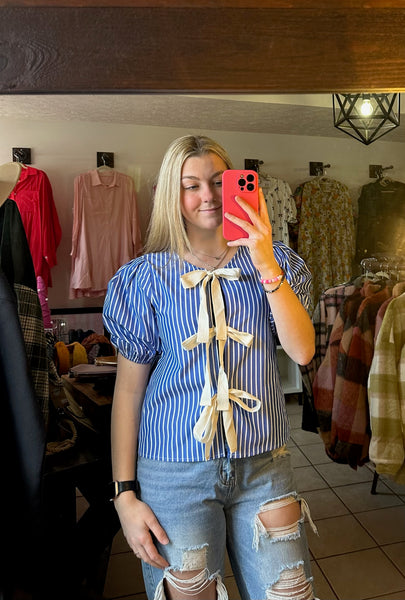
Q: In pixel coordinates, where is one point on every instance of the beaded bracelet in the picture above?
(278, 286)
(273, 279)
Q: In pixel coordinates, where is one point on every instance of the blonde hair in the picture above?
(166, 230)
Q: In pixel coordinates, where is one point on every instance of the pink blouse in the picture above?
(106, 231)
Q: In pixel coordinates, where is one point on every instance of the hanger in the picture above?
(384, 180)
(104, 168)
(17, 159)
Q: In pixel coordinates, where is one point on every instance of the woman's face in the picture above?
(201, 192)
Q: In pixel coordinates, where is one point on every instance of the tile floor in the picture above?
(360, 551)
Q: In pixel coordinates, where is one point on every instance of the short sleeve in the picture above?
(128, 313)
(297, 273)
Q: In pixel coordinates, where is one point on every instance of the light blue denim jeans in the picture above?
(209, 507)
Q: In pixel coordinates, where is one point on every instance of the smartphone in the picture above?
(245, 184)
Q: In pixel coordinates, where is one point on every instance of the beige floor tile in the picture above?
(81, 506)
(297, 458)
(233, 592)
(141, 596)
(291, 444)
(119, 543)
(397, 596)
(386, 525)
(308, 478)
(393, 485)
(302, 438)
(324, 504)
(316, 453)
(336, 474)
(321, 586)
(295, 420)
(338, 535)
(124, 576)
(361, 575)
(292, 405)
(396, 552)
(358, 498)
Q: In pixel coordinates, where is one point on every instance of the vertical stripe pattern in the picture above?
(149, 314)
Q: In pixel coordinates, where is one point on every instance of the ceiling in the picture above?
(293, 114)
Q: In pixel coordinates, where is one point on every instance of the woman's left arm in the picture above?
(294, 326)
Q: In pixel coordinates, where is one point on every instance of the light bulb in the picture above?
(366, 108)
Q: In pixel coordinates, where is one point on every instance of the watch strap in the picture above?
(122, 486)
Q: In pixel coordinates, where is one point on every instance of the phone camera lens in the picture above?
(241, 182)
(250, 177)
(250, 187)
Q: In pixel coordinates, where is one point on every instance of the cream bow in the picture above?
(206, 426)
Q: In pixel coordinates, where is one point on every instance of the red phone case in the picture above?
(243, 183)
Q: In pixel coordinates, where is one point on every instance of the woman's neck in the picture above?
(210, 244)
(209, 252)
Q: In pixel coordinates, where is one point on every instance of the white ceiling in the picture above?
(293, 114)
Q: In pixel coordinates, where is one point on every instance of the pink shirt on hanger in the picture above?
(106, 231)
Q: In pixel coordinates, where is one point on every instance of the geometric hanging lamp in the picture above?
(366, 117)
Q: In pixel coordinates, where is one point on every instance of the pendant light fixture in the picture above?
(366, 117)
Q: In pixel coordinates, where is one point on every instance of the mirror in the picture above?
(299, 47)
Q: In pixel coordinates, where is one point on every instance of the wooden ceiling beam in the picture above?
(290, 47)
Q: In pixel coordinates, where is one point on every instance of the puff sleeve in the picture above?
(129, 315)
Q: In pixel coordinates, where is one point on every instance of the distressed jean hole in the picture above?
(292, 584)
(181, 585)
(280, 514)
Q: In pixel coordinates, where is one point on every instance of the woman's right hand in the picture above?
(138, 524)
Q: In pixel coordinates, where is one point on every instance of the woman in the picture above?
(199, 423)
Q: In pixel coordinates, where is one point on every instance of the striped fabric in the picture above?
(149, 313)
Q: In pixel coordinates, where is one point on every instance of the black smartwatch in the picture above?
(117, 487)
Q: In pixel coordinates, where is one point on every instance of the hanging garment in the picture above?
(381, 220)
(386, 389)
(323, 319)
(34, 198)
(22, 448)
(16, 264)
(106, 231)
(280, 206)
(326, 235)
(340, 384)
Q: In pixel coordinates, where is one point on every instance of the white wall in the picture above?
(66, 149)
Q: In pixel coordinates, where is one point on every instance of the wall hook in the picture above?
(105, 159)
(22, 155)
(253, 164)
(318, 168)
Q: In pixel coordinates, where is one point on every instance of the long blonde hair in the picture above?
(166, 230)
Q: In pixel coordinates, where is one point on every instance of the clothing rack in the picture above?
(382, 266)
(391, 267)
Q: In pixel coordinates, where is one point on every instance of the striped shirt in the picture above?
(149, 314)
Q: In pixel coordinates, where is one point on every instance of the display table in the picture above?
(77, 550)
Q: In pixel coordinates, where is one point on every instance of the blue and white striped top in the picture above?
(150, 313)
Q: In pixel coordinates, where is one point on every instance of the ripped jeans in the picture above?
(228, 504)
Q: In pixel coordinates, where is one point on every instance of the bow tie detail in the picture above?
(206, 426)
